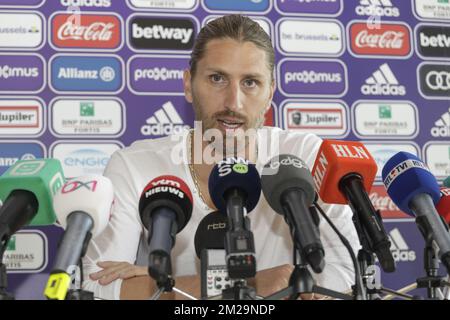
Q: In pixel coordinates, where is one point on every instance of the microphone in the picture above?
(83, 207)
(27, 189)
(415, 190)
(288, 187)
(210, 248)
(443, 206)
(165, 207)
(343, 172)
(235, 187)
(447, 182)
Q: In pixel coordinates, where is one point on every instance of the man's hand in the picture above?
(117, 270)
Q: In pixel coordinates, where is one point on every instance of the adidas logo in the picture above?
(379, 8)
(383, 82)
(399, 248)
(166, 121)
(442, 126)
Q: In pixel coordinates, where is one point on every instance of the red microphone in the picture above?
(443, 206)
(343, 172)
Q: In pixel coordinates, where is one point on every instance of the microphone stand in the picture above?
(4, 295)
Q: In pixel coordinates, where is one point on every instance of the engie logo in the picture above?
(21, 117)
(166, 121)
(86, 31)
(388, 39)
(383, 82)
(162, 33)
(377, 8)
(434, 80)
(157, 75)
(80, 73)
(24, 30)
(21, 73)
(326, 119)
(433, 41)
(441, 127)
(399, 248)
(303, 77)
(253, 6)
(79, 159)
(11, 152)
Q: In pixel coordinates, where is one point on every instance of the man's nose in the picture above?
(234, 96)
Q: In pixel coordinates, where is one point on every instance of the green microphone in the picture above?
(26, 190)
(447, 182)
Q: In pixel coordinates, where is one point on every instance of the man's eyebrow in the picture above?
(223, 72)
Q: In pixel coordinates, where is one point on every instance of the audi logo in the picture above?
(438, 80)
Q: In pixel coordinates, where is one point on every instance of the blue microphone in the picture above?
(235, 187)
(415, 190)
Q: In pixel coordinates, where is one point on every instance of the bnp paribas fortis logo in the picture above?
(11, 244)
(87, 109)
(385, 112)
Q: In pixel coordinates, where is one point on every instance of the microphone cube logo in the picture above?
(56, 183)
(27, 168)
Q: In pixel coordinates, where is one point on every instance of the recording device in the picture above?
(165, 208)
(288, 187)
(235, 188)
(83, 208)
(415, 190)
(343, 172)
(210, 248)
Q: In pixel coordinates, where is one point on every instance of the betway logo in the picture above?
(399, 248)
(160, 32)
(442, 126)
(383, 82)
(437, 41)
(312, 77)
(7, 72)
(166, 121)
(379, 8)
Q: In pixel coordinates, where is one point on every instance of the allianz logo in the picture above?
(399, 248)
(312, 77)
(162, 74)
(7, 72)
(165, 121)
(106, 74)
(10, 161)
(442, 126)
(87, 158)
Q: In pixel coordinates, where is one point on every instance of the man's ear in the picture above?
(187, 85)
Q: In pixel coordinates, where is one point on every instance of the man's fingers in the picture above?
(108, 268)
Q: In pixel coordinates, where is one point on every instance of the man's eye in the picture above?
(250, 83)
(216, 78)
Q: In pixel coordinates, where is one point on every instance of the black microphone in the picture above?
(165, 208)
(235, 188)
(288, 187)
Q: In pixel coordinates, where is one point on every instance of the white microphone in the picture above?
(83, 208)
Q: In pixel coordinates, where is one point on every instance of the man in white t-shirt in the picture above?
(230, 85)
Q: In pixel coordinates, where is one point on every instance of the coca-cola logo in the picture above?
(86, 31)
(381, 201)
(388, 40)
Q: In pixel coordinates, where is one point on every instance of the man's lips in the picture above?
(230, 123)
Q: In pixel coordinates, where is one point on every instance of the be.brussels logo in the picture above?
(383, 82)
(434, 80)
(172, 5)
(381, 201)
(382, 152)
(385, 119)
(310, 78)
(13, 151)
(164, 122)
(324, 118)
(81, 158)
(310, 7)
(437, 157)
(441, 127)
(87, 74)
(387, 40)
(157, 75)
(308, 37)
(21, 30)
(250, 6)
(22, 73)
(21, 117)
(22, 4)
(433, 41)
(377, 8)
(87, 117)
(162, 33)
(90, 4)
(86, 31)
(432, 10)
